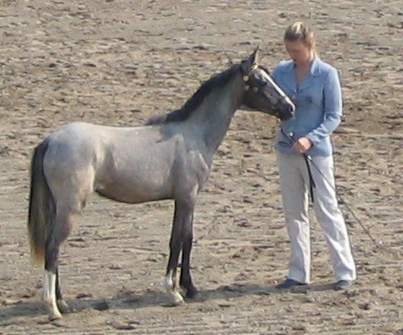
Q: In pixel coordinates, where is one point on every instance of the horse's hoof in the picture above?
(54, 316)
(63, 306)
(193, 293)
(53, 311)
(175, 299)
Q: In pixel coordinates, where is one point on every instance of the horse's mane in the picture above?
(217, 80)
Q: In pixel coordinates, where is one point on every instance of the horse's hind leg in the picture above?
(63, 306)
(52, 296)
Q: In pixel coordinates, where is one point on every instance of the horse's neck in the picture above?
(215, 114)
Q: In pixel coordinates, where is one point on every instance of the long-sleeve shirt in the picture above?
(318, 101)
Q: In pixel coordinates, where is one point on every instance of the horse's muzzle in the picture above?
(287, 113)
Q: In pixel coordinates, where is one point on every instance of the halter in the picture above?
(255, 88)
(246, 80)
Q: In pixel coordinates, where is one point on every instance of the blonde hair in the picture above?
(299, 32)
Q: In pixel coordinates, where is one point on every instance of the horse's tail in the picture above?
(41, 205)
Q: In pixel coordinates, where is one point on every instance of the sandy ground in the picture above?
(118, 62)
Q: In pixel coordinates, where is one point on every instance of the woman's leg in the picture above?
(294, 192)
(331, 219)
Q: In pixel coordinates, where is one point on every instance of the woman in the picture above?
(304, 157)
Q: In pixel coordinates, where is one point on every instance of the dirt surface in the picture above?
(118, 62)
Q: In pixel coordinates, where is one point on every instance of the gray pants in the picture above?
(294, 181)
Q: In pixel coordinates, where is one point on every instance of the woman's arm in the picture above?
(332, 105)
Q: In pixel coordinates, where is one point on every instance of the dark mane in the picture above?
(196, 99)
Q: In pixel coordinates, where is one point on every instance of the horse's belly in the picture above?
(134, 192)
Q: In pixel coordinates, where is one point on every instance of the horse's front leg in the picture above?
(185, 278)
(182, 218)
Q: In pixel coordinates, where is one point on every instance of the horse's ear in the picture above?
(255, 57)
(250, 63)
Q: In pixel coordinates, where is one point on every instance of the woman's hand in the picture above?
(302, 145)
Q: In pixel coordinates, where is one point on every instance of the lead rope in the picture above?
(309, 161)
(345, 204)
(312, 185)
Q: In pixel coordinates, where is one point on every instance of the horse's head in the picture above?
(261, 92)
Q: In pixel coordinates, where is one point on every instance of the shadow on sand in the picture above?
(151, 298)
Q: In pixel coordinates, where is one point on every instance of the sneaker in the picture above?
(343, 284)
(288, 283)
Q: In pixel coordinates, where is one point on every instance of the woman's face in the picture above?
(298, 52)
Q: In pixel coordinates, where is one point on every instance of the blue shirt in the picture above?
(318, 103)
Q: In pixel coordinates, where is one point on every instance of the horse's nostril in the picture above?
(287, 116)
(291, 107)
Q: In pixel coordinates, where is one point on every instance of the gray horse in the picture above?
(170, 158)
